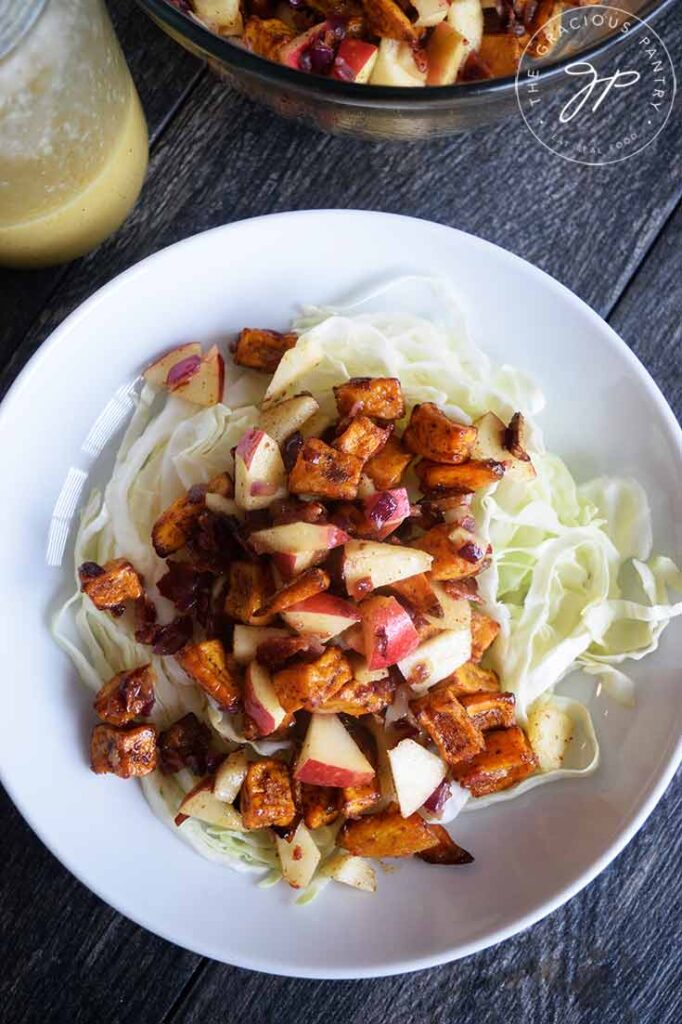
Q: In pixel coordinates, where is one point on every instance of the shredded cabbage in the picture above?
(573, 581)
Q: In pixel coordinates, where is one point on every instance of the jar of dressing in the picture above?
(73, 138)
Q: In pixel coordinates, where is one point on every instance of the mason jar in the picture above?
(73, 138)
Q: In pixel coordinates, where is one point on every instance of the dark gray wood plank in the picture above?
(223, 159)
(67, 957)
(164, 75)
(647, 316)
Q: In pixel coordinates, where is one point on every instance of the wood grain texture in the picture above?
(609, 956)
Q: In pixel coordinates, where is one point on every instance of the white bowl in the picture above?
(604, 414)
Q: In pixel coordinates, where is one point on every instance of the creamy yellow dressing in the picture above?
(73, 138)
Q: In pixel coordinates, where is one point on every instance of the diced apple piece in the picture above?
(221, 16)
(323, 616)
(261, 702)
(294, 538)
(436, 658)
(395, 65)
(157, 373)
(330, 757)
(247, 639)
(292, 51)
(467, 17)
(355, 871)
(431, 12)
(416, 774)
(368, 565)
(456, 612)
(205, 385)
(489, 444)
(283, 419)
(260, 477)
(446, 52)
(298, 857)
(549, 730)
(389, 634)
(230, 776)
(290, 566)
(386, 510)
(355, 60)
(201, 803)
(362, 673)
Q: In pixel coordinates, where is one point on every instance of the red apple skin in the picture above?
(327, 604)
(438, 799)
(289, 566)
(264, 720)
(355, 639)
(248, 445)
(220, 363)
(397, 499)
(319, 774)
(157, 372)
(352, 59)
(389, 634)
(181, 372)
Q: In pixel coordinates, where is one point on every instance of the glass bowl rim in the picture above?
(379, 96)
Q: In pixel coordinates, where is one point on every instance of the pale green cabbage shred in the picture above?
(573, 581)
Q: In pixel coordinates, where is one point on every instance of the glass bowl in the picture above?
(371, 111)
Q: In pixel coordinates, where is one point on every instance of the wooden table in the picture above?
(612, 235)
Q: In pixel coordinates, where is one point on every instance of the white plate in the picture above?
(604, 414)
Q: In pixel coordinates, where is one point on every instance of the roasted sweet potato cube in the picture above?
(441, 715)
(452, 559)
(447, 851)
(256, 348)
(311, 684)
(249, 590)
(360, 800)
(386, 469)
(266, 37)
(435, 436)
(466, 477)
(325, 472)
(508, 757)
(214, 671)
(386, 19)
(378, 397)
(362, 438)
(266, 797)
(319, 805)
(127, 696)
(127, 751)
(309, 583)
(184, 745)
(484, 629)
(387, 834)
(175, 525)
(471, 678)
(109, 586)
(359, 698)
(500, 53)
(417, 592)
(490, 710)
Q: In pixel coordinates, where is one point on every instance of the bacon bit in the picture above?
(184, 585)
(145, 620)
(471, 552)
(171, 638)
(278, 650)
(185, 745)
